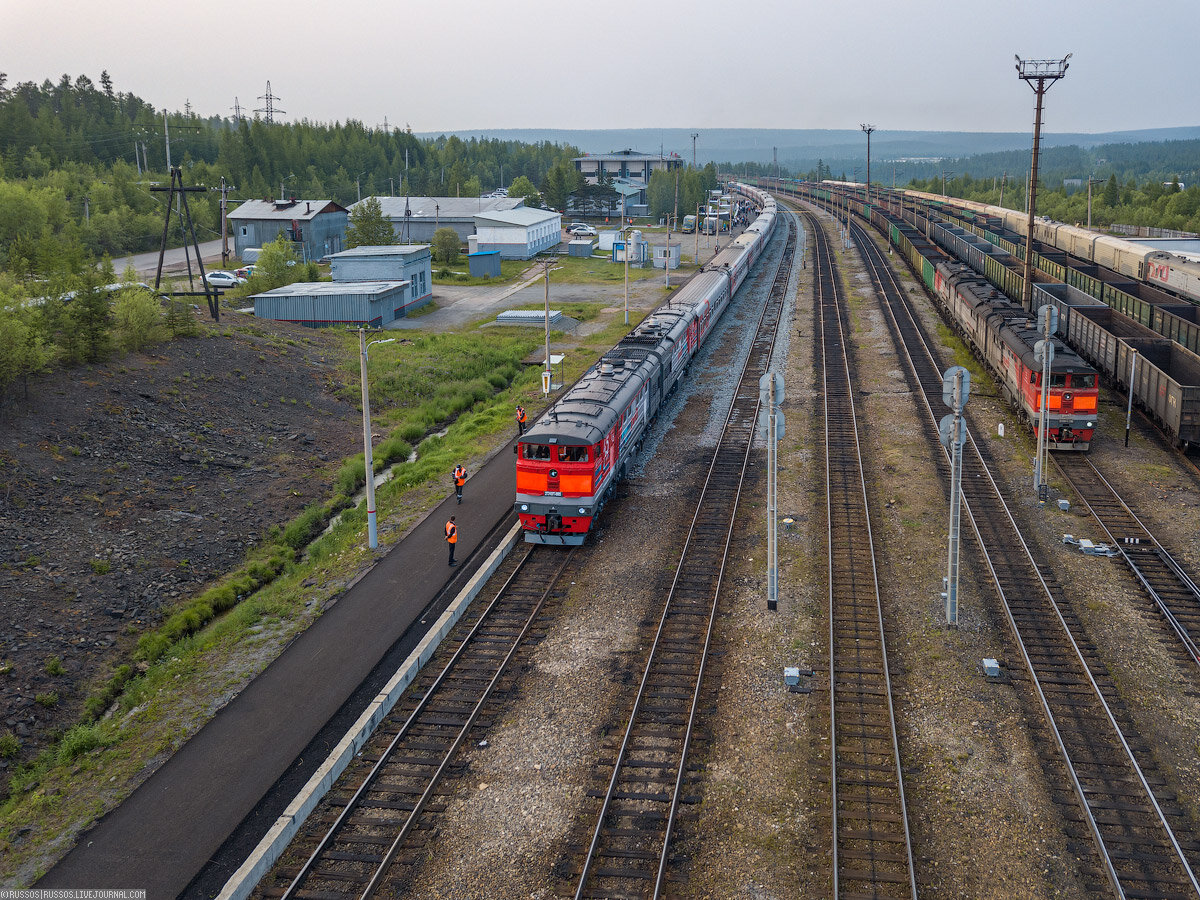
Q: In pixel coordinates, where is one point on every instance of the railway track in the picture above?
(381, 817)
(872, 848)
(630, 850)
(1172, 591)
(1126, 807)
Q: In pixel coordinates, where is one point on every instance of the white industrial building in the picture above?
(415, 219)
(517, 233)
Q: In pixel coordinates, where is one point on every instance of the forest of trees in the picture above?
(77, 160)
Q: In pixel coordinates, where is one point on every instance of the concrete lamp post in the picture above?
(372, 532)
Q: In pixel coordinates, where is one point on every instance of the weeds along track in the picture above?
(1125, 807)
(1171, 590)
(373, 818)
(641, 789)
(872, 849)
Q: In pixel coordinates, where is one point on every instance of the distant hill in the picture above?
(800, 148)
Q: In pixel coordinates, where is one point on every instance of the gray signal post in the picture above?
(1043, 352)
(1132, 376)
(770, 395)
(956, 387)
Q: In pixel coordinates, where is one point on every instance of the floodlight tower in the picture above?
(1039, 74)
(868, 129)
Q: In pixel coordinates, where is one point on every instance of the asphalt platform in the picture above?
(175, 826)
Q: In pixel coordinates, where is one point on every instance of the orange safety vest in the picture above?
(521, 415)
(451, 533)
(460, 476)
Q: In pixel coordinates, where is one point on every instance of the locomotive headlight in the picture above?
(524, 507)
(1089, 425)
(582, 511)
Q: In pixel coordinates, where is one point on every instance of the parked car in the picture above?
(223, 279)
(581, 230)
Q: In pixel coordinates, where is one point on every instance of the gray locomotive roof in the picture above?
(586, 412)
(1020, 328)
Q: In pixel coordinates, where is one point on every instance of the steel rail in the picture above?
(838, 381)
(413, 718)
(1075, 467)
(995, 496)
(737, 430)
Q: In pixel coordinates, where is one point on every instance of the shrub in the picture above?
(100, 566)
(394, 449)
(78, 741)
(10, 745)
(49, 699)
(305, 527)
(55, 667)
(412, 432)
(351, 476)
(96, 705)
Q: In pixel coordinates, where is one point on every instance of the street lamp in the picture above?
(372, 533)
(548, 378)
(626, 231)
(358, 184)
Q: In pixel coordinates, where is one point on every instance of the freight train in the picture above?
(1001, 332)
(1169, 271)
(1004, 336)
(571, 458)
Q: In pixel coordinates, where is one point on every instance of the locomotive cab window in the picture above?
(1058, 379)
(1080, 380)
(535, 451)
(573, 454)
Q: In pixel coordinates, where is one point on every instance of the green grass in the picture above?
(510, 270)
(597, 270)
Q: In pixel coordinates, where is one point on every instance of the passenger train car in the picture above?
(1005, 336)
(570, 459)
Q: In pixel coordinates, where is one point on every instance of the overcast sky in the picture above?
(469, 64)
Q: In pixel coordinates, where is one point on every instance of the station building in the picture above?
(627, 164)
(316, 228)
(517, 233)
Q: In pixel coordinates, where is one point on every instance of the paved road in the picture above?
(166, 832)
(173, 260)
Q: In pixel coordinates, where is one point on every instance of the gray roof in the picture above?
(522, 216)
(444, 207)
(381, 250)
(284, 211)
(332, 288)
(627, 156)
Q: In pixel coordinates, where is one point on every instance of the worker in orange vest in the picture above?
(460, 478)
(520, 419)
(452, 538)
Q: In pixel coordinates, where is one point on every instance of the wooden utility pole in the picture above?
(209, 292)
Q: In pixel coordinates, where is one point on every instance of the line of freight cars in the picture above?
(1004, 337)
(1166, 378)
(1162, 312)
(1168, 270)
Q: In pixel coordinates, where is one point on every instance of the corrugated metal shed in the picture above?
(484, 264)
(319, 303)
(580, 247)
